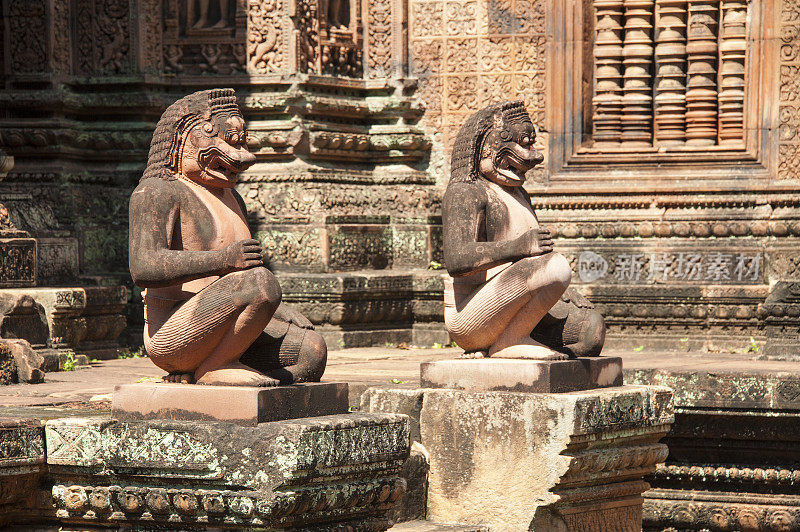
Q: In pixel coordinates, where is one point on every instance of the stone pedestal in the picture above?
(516, 375)
(536, 461)
(253, 405)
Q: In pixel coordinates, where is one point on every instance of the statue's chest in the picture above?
(209, 221)
(509, 214)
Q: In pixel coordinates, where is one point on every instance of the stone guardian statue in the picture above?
(507, 294)
(213, 312)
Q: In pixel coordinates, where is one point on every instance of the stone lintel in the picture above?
(243, 405)
(513, 375)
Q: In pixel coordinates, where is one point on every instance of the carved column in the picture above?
(670, 100)
(637, 52)
(701, 96)
(608, 73)
(733, 44)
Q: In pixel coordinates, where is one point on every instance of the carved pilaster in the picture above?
(103, 37)
(637, 52)
(670, 100)
(608, 72)
(732, 48)
(701, 96)
(151, 30)
(27, 36)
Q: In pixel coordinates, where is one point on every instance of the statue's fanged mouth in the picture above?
(219, 164)
(512, 166)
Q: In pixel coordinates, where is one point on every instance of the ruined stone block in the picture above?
(520, 461)
(329, 470)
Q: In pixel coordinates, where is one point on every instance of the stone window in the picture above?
(648, 84)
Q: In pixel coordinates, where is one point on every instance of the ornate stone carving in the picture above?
(789, 112)
(103, 37)
(265, 37)
(27, 36)
(379, 45)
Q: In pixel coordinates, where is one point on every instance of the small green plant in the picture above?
(132, 353)
(433, 265)
(149, 379)
(397, 381)
(389, 345)
(638, 348)
(353, 408)
(437, 345)
(684, 339)
(68, 363)
(453, 344)
(753, 347)
(340, 343)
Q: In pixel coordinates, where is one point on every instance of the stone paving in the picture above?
(88, 390)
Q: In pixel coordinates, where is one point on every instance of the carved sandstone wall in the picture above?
(669, 129)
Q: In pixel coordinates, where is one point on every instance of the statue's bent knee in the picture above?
(256, 286)
(555, 271)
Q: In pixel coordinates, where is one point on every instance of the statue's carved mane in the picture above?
(177, 120)
(467, 146)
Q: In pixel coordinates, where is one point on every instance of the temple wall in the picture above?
(352, 115)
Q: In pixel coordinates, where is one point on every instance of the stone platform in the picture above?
(535, 461)
(243, 405)
(326, 472)
(538, 376)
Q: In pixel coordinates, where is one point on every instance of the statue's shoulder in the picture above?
(462, 190)
(155, 191)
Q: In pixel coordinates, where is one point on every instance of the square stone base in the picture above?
(514, 375)
(243, 405)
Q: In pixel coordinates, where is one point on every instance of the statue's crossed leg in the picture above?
(206, 335)
(498, 316)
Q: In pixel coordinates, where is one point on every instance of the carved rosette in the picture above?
(608, 72)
